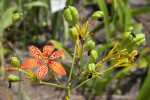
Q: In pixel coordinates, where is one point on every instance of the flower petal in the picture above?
(48, 49)
(35, 52)
(57, 67)
(56, 54)
(42, 71)
(31, 63)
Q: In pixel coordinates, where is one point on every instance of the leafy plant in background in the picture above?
(122, 54)
(118, 17)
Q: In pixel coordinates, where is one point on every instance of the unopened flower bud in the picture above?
(14, 62)
(11, 69)
(94, 55)
(91, 67)
(16, 17)
(89, 45)
(71, 15)
(99, 15)
(73, 32)
(13, 78)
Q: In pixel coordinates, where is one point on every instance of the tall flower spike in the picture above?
(57, 67)
(48, 49)
(35, 52)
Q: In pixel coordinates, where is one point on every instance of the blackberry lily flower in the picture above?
(44, 60)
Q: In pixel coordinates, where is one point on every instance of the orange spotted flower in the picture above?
(44, 59)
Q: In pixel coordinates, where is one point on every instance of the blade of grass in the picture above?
(103, 7)
(141, 11)
(128, 17)
(118, 8)
(144, 91)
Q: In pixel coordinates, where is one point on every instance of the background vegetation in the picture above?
(38, 25)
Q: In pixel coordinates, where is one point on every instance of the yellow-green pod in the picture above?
(89, 45)
(71, 15)
(140, 39)
(16, 17)
(73, 32)
(98, 14)
(91, 67)
(137, 41)
(126, 39)
(14, 62)
(94, 55)
(13, 78)
(130, 28)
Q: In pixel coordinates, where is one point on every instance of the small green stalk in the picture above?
(72, 64)
(82, 62)
(60, 86)
(90, 79)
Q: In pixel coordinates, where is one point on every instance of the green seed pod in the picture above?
(130, 28)
(14, 62)
(126, 39)
(140, 39)
(73, 32)
(71, 15)
(98, 14)
(13, 78)
(89, 45)
(16, 17)
(140, 42)
(91, 67)
(94, 55)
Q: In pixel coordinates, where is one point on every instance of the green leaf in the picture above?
(103, 83)
(67, 68)
(6, 18)
(128, 17)
(4, 51)
(36, 4)
(137, 28)
(60, 46)
(141, 11)
(103, 7)
(119, 10)
(120, 76)
(144, 91)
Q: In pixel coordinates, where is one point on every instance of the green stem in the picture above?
(69, 92)
(81, 84)
(90, 79)
(107, 69)
(52, 84)
(82, 62)
(24, 28)
(58, 81)
(2, 61)
(72, 64)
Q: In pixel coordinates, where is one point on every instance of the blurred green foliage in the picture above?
(39, 21)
